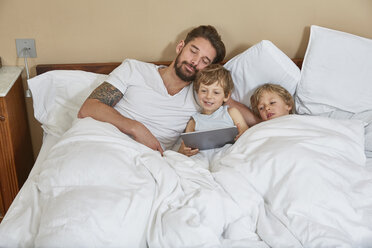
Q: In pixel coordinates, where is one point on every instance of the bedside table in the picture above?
(16, 156)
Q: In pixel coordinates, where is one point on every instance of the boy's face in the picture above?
(271, 106)
(211, 97)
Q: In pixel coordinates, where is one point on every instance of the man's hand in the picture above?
(142, 135)
(187, 150)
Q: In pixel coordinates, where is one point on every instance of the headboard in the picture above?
(104, 68)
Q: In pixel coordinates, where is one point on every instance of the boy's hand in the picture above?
(187, 150)
(240, 132)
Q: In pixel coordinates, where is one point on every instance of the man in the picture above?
(152, 104)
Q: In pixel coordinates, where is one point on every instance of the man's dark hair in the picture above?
(209, 33)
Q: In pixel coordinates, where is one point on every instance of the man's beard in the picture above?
(180, 73)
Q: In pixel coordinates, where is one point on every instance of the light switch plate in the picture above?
(26, 48)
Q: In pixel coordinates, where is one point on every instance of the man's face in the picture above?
(192, 57)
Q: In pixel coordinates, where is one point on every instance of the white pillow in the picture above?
(365, 117)
(260, 64)
(57, 97)
(336, 73)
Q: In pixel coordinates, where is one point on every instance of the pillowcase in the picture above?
(365, 117)
(260, 64)
(336, 73)
(58, 95)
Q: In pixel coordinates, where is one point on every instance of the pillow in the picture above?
(57, 97)
(365, 117)
(260, 64)
(336, 73)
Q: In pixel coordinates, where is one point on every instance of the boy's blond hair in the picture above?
(215, 73)
(274, 88)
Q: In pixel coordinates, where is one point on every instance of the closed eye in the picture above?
(206, 61)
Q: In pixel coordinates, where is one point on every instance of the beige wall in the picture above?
(67, 31)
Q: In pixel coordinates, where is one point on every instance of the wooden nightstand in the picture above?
(16, 156)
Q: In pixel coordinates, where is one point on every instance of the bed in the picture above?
(302, 180)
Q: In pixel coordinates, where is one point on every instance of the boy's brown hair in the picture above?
(274, 88)
(215, 73)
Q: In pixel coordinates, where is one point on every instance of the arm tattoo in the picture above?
(107, 94)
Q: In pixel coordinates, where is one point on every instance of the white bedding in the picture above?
(21, 222)
(311, 174)
(296, 181)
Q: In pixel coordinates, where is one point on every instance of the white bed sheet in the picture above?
(312, 179)
(295, 181)
(22, 218)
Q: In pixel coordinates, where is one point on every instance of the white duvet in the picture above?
(296, 181)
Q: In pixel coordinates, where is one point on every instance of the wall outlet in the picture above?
(26, 48)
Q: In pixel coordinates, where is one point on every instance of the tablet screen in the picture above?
(210, 139)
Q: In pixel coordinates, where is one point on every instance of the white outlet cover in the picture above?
(29, 44)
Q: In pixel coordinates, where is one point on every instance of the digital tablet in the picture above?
(214, 138)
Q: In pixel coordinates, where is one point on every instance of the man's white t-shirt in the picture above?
(147, 100)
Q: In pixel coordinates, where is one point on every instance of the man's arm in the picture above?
(100, 106)
(249, 117)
